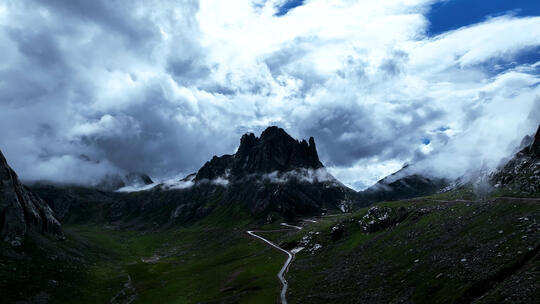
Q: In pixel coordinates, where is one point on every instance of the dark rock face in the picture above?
(21, 209)
(116, 181)
(277, 173)
(522, 172)
(139, 178)
(401, 185)
(336, 232)
(534, 148)
(274, 151)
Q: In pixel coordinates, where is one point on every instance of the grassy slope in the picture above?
(454, 253)
(214, 261)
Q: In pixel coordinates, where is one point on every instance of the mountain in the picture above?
(402, 184)
(20, 209)
(521, 174)
(176, 239)
(276, 173)
(269, 177)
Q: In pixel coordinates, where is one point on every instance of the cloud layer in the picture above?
(90, 88)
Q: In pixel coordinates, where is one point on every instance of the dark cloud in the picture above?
(290, 61)
(186, 71)
(39, 47)
(116, 16)
(394, 64)
(349, 134)
(50, 90)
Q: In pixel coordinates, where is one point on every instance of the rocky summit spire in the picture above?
(20, 209)
(273, 151)
(272, 174)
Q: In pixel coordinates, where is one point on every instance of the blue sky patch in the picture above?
(287, 6)
(453, 14)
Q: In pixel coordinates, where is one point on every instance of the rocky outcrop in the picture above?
(521, 174)
(379, 218)
(20, 209)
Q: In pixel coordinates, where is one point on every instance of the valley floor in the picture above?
(416, 251)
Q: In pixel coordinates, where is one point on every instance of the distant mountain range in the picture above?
(269, 177)
(402, 184)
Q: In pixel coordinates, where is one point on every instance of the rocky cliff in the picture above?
(521, 174)
(20, 209)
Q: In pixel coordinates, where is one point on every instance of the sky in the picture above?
(89, 88)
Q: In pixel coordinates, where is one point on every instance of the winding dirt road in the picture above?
(290, 256)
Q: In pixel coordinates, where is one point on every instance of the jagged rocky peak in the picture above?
(521, 174)
(273, 151)
(20, 209)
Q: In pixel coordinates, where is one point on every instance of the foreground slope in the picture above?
(420, 251)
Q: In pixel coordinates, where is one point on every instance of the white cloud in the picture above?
(161, 87)
(365, 172)
(302, 175)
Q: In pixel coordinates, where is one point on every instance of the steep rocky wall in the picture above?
(21, 209)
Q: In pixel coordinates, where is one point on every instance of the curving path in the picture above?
(290, 256)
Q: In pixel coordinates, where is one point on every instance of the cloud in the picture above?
(161, 86)
(301, 175)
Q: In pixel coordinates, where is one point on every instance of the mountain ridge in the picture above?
(402, 184)
(22, 210)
